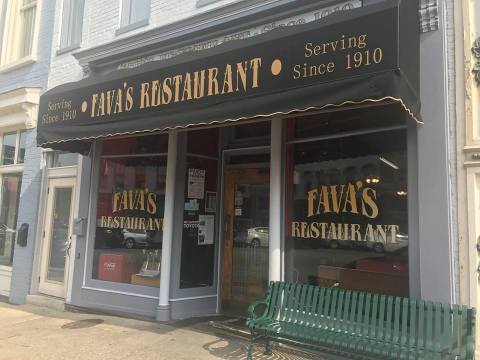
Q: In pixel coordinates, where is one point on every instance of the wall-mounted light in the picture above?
(402, 193)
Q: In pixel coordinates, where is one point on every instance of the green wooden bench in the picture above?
(361, 325)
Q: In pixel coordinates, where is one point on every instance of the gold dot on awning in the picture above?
(276, 67)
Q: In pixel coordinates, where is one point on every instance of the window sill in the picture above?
(130, 27)
(6, 269)
(67, 49)
(12, 168)
(25, 61)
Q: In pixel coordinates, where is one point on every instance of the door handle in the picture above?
(226, 225)
(69, 246)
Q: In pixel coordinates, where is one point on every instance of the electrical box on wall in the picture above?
(80, 226)
(22, 235)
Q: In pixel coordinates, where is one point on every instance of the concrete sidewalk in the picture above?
(29, 332)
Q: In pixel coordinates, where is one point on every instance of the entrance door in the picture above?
(57, 237)
(245, 239)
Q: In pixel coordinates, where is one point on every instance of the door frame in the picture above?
(226, 152)
(47, 173)
(230, 178)
(45, 286)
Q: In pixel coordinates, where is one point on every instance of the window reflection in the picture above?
(10, 194)
(8, 148)
(130, 206)
(346, 212)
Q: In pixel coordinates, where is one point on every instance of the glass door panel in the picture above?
(59, 237)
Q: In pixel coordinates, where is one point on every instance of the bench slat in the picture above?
(429, 330)
(413, 326)
(396, 321)
(346, 310)
(389, 322)
(421, 328)
(437, 337)
(447, 329)
(462, 335)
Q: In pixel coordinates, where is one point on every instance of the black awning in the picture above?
(364, 55)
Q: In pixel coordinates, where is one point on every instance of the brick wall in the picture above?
(102, 19)
(27, 213)
(35, 75)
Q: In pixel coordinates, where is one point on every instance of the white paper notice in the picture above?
(196, 183)
(206, 227)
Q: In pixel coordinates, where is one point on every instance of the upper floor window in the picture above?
(135, 11)
(72, 20)
(13, 147)
(17, 29)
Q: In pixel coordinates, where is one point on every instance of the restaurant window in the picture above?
(200, 209)
(130, 208)
(72, 21)
(135, 11)
(346, 201)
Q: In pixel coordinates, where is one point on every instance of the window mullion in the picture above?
(17, 146)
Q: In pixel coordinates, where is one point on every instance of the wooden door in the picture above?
(245, 238)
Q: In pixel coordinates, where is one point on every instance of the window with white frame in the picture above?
(17, 29)
(11, 168)
(72, 20)
(135, 11)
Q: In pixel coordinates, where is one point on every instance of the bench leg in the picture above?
(268, 347)
(249, 350)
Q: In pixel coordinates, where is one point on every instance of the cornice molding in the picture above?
(235, 17)
(429, 20)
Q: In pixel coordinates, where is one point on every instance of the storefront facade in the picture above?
(207, 175)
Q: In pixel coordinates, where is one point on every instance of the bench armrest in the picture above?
(252, 316)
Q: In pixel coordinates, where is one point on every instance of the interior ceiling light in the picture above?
(388, 162)
(372, 180)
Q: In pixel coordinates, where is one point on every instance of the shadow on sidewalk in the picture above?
(230, 349)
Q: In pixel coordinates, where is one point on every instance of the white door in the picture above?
(57, 235)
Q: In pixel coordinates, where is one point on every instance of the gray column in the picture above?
(163, 308)
(275, 219)
(435, 204)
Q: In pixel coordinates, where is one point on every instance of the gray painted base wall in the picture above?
(117, 303)
(193, 307)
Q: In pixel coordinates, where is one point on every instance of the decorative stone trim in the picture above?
(429, 20)
(19, 108)
(476, 55)
(86, 69)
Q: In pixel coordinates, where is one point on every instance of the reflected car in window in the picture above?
(135, 238)
(380, 246)
(258, 236)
